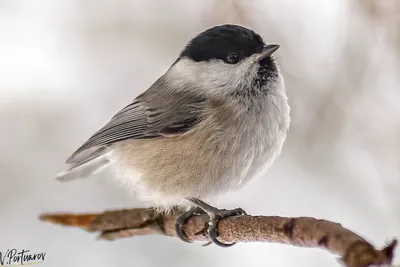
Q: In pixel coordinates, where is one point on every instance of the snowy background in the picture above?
(66, 66)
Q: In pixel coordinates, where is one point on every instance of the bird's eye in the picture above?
(232, 58)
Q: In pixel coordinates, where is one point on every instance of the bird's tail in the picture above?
(86, 166)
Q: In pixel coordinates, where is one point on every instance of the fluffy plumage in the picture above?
(204, 128)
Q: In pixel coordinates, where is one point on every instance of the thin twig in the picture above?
(303, 231)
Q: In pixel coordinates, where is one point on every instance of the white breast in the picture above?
(259, 138)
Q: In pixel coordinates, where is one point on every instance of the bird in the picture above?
(217, 118)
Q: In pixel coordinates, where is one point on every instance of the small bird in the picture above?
(218, 117)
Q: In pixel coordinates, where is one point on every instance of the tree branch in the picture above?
(303, 231)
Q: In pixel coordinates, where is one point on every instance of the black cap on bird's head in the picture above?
(230, 43)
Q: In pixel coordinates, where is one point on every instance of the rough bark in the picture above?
(353, 250)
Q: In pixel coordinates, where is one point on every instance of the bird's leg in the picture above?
(182, 219)
(215, 215)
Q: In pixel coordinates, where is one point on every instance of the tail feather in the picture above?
(87, 166)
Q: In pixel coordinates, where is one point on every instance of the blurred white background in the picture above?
(66, 66)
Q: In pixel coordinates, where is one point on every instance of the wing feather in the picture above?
(155, 113)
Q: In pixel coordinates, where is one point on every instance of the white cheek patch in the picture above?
(214, 76)
(227, 77)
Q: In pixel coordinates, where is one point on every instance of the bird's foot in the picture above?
(216, 215)
(181, 221)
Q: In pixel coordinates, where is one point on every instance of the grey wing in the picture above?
(148, 116)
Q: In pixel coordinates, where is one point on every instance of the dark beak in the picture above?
(268, 50)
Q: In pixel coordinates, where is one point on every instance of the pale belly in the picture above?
(218, 156)
(166, 171)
